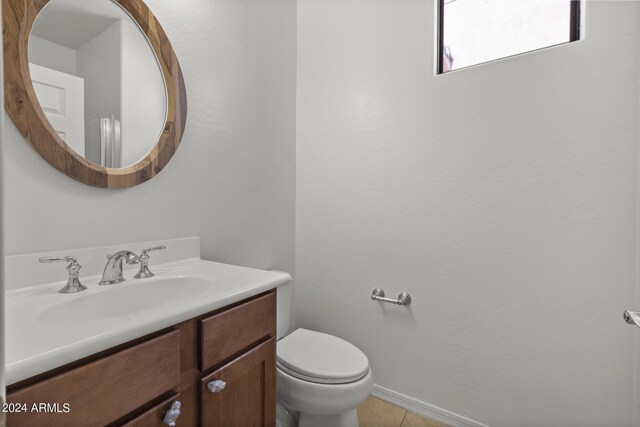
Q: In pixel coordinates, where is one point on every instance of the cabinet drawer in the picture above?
(154, 417)
(226, 334)
(248, 398)
(104, 390)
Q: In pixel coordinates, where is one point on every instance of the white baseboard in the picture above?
(423, 409)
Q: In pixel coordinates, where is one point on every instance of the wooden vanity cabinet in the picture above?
(228, 333)
(154, 417)
(134, 384)
(232, 339)
(249, 396)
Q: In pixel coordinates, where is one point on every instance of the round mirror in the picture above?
(95, 87)
(97, 80)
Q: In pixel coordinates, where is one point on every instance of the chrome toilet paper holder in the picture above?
(403, 298)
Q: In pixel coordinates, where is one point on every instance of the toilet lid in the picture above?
(321, 358)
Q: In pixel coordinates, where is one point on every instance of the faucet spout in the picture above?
(113, 270)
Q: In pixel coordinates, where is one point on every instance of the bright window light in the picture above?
(476, 31)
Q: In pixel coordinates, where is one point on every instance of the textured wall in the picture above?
(502, 197)
(52, 55)
(636, 306)
(231, 182)
(2, 233)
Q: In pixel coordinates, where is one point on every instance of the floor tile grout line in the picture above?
(403, 417)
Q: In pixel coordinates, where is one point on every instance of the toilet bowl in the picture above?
(321, 380)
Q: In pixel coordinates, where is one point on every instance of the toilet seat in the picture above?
(321, 358)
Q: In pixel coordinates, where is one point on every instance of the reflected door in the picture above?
(61, 97)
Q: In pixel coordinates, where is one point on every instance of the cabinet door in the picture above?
(154, 417)
(249, 395)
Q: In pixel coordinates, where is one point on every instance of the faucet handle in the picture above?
(144, 271)
(73, 284)
(145, 251)
(69, 259)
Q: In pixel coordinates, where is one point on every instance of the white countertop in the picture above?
(34, 345)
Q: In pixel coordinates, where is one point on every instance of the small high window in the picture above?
(476, 31)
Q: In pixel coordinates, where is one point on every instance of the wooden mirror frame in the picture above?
(24, 109)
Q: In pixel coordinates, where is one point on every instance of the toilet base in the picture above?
(347, 419)
(287, 418)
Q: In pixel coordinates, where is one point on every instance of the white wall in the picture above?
(143, 97)
(100, 64)
(636, 305)
(2, 231)
(52, 55)
(502, 197)
(232, 179)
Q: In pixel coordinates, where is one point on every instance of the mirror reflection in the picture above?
(97, 80)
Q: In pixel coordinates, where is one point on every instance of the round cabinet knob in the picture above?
(216, 386)
(172, 414)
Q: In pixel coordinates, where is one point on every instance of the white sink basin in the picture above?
(126, 301)
(45, 329)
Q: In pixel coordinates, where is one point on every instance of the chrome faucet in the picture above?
(113, 270)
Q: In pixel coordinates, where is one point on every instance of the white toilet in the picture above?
(321, 379)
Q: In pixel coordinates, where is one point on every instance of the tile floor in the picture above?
(376, 412)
